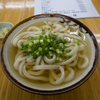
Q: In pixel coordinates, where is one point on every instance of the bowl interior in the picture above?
(9, 52)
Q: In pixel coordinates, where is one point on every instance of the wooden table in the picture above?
(16, 10)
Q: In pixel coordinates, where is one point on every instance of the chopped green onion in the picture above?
(73, 45)
(43, 32)
(62, 32)
(68, 57)
(44, 45)
(64, 52)
(24, 51)
(48, 28)
(30, 44)
(58, 51)
(37, 53)
(45, 36)
(64, 41)
(34, 41)
(61, 44)
(48, 40)
(50, 53)
(51, 40)
(26, 43)
(40, 37)
(46, 48)
(40, 49)
(60, 59)
(56, 61)
(76, 41)
(67, 51)
(35, 56)
(57, 58)
(30, 38)
(51, 48)
(29, 49)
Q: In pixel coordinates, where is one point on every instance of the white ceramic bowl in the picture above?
(7, 60)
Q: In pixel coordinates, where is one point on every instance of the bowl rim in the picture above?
(6, 23)
(58, 91)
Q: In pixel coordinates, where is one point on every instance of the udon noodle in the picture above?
(44, 68)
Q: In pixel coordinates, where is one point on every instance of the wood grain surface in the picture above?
(16, 10)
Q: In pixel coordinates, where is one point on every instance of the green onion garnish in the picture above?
(76, 41)
(62, 32)
(48, 28)
(69, 57)
(43, 32)
(44, 45)
(30, 38)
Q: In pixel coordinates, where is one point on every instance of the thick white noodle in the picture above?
(34, 72)
(69, 35)
(20, 69)
(18, 54)
(32, 28)
(68, 61)
(20, 42)
(60, 36)
(50, 61)
(59, 79)
(84, 62)
(75, 33)
(46, 67)
(73, 64)
(69, 44)
(18, 60)
(47, 32)
(39, 72)
(64, 29)
(58, 27)
(41, 78)
(38, 60)
(70, 75)
(46, 26)
(23, 34)
(74, 50)
(30, 59)
(81, 47)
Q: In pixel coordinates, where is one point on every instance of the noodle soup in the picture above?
(49, 54)
(54, 67)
